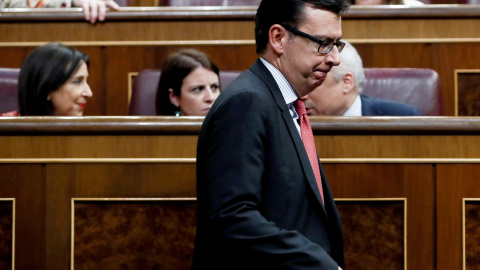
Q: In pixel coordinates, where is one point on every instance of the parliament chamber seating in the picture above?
(419, 87)
(145, 86)
(8, 89)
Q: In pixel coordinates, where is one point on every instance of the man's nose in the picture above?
(333, 57)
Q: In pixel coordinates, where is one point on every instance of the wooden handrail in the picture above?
(233, 13)
(152, 125)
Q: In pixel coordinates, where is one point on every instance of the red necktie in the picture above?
(308, 142)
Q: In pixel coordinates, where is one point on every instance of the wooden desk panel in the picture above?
(105, 180)
(25, 184)
(98, 147)
(412, 182)
(430, 162)
(454, 183)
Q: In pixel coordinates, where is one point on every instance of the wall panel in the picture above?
(96, 181)
(455, 182)
(412, 182)
(376, 168)
(24, 184)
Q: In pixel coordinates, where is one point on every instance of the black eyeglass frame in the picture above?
(339, 44)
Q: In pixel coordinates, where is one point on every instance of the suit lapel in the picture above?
(365, 108)
(260, 70)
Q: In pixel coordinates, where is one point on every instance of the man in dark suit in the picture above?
(340, 94)
(261, 202)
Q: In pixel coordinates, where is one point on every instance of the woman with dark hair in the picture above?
(53, 81)
(189, 84)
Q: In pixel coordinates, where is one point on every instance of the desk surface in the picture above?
(171, 125)
(349, 139)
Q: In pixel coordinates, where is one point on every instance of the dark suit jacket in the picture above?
(258, 203)
(378, 107)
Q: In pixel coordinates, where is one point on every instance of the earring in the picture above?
(178, 113)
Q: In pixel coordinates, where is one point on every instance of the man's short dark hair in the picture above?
(288, 12)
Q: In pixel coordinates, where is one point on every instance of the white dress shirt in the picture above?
(289, 95)
(355, 109)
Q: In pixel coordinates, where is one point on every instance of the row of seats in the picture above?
(8, 89)
(419, 87)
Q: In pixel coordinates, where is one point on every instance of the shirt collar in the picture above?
(289, 95)
(355, 109)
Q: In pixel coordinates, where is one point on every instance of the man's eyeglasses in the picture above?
(324, 47)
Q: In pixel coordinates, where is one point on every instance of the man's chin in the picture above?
(316, 83)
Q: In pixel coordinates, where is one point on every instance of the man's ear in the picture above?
(174, 99)
(348, 82)
(278, 37)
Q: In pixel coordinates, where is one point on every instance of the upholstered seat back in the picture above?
(9, 89)
(144, 90)
(419, 87)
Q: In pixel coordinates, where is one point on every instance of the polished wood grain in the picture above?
(24, 183)
(365, 146)
(454, 183)
(472, 234)
(150, 137)
(446, 63)
(370, 224)
(22, 147)
(128, 30)
(6, 233)
(67, 181)
(138, 234)
(236, 23)
(467, 94)
(190, 125)
(46, 162)
(143, 3)
(414, 182)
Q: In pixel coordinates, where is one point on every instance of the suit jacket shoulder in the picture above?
(383, 107)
